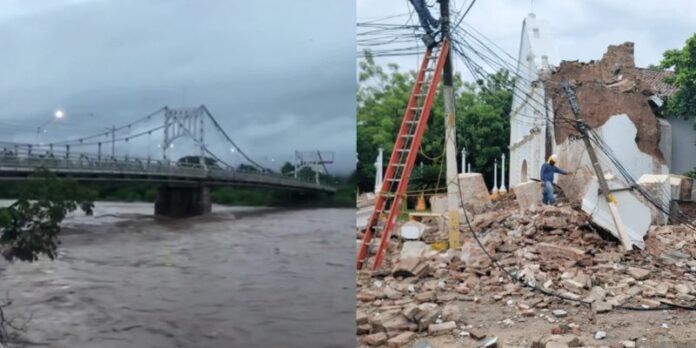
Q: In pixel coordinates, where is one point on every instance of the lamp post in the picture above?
(57, 115)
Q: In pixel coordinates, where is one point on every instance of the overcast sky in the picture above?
(582, 28)
(279, 75)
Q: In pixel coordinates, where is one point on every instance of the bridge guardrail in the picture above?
(26, 156)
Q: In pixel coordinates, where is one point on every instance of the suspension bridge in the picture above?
(124, 154)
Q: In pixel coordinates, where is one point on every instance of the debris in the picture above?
(559, 313)
(477, 334)
(401, 339)
(554, 251)
(528, 194)
(601, 307)
(549, 246)
(600, 335)
(488, 342)
(412, 230)
(413, 249)
(638, 273)
(634, 213)
(628, 344)
(376, 339)
(438, 329)
(411, 267)
(474, 193)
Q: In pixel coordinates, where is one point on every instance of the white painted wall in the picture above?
(683, 156)
(528, 115)
(619, 133)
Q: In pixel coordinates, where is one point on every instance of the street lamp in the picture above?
(57, 115)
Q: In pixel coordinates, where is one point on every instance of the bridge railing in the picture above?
(30, 156)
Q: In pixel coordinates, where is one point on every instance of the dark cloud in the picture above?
(278, 75)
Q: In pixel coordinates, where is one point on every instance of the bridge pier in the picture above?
(182, 201)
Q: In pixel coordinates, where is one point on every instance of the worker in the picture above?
(548, 170)
(427, 21)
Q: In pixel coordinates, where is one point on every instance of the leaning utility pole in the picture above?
(611, 201)
(453, 198)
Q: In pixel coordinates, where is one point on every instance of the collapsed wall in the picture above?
(610, 86)
(613, 100)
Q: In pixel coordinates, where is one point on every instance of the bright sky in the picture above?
(582, 28)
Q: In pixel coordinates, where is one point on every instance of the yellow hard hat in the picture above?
(553, 158)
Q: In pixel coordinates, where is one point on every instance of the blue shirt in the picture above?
(547, 172)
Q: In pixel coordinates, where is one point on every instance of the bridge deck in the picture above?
(85, 168)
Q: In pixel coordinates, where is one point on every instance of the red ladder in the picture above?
(403, 155)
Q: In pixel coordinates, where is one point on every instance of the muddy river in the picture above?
(239, 277)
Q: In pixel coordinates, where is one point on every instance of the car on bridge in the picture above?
(194, 161)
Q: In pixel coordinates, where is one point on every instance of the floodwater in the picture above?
(239, 277)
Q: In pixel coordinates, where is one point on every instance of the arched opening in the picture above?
(523, 175)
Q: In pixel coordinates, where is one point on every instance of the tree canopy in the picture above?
(30, 226)
(482, 110)
(683, 61)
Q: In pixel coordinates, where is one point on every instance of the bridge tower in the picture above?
(181, 200)
(184, 122)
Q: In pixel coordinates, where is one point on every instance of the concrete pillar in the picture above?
(494, 191)
(463, 160)
(379, 164)
(182, 201)
(503, 189)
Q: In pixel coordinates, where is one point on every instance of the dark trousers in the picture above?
(426, 19)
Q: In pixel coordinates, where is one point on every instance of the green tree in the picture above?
(306, 173)
(30, 226)
(482, 110)
(683, 61)
(287, 168)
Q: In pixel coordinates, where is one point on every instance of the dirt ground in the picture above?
(646, 328)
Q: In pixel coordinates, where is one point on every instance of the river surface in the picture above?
(239, 277)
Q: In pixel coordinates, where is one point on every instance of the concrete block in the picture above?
(528, 194)
(659, 187)
(438, 204)
(413, 230)
(439, 329)
(557, 251)
(474, 193)
(413, 249)
(635, 214)
(682, 188)
(401, 340)
(377, 339)
(362, 216)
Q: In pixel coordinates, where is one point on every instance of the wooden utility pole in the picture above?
(453, 197)
(611, 201)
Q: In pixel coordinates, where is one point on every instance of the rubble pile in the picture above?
(610, 86)
(553, 248)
